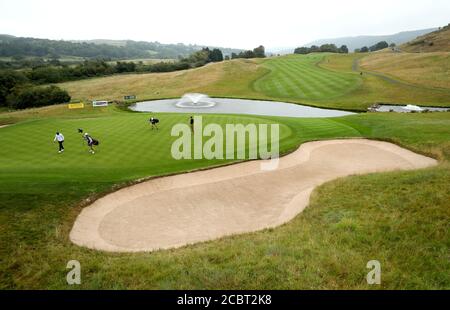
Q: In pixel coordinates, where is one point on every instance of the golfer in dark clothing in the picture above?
(191, 121)
(60, 138)
(91, 142)
(154, 122)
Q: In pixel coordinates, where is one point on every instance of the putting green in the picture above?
(128, 149)
(299, 76)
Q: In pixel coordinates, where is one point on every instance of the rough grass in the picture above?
(398, 218)
(378, 87)
(437, 41)
(221, 79)
(426, 69)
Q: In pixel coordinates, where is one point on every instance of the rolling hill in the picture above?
(436, 41)
(425, 69)
(161, 49)
(360, 41)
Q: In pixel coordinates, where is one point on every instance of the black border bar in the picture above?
(218, 299)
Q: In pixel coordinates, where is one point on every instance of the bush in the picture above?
(258, 52)
(379, 46)
(364, 49)
(302, 50)
(343, 49)
(43, 75)
(29, 97)
(122, 67)
(10, 79)
(325, 48)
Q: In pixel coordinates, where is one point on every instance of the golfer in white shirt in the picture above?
(60, 138)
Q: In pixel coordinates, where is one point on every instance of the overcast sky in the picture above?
(230, 23)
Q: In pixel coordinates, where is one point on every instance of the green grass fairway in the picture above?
(349, 221)
(299, 77)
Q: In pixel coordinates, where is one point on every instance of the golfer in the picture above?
(90, 142)
(191, 122)
(60, 138)
(154, 122)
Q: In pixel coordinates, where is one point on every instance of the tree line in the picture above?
(17, 92)
(258, 52)
(20, 89)
(376, 47)
(11, 46)
(325, 48)
(332, 48)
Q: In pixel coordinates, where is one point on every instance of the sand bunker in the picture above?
(177, 210)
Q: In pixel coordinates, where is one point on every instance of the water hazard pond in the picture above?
(237, 106)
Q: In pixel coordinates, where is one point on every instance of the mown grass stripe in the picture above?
(301, 77)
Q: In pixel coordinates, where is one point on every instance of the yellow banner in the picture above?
(76, 105)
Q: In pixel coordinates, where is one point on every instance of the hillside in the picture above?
(360, 41)
(169, 51)
(11, 46)
(437, 41)
(426, 69)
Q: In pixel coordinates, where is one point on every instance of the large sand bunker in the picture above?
(177, 210)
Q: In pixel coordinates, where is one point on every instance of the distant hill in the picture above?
(436, 41)
(360, 41)
(113, 49)
(103, 41)
(160, 49)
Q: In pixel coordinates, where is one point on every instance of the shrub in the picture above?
(379, 46)
(10, 79)
(29, 97)
(364, 49)
(258, 52)
(325, 48)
